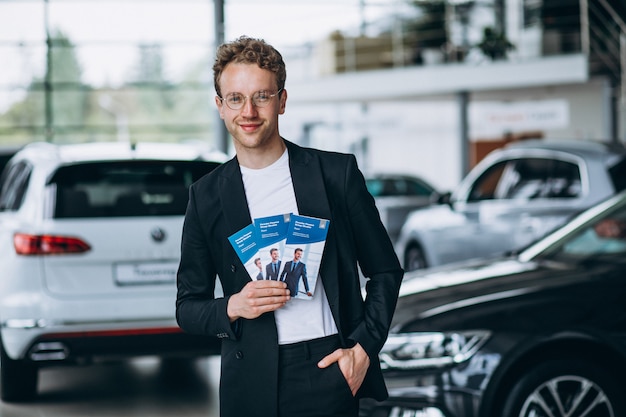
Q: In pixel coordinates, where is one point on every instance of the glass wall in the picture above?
(80, 70)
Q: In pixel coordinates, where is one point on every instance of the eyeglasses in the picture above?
(236, 101)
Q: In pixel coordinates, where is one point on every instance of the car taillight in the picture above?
(26, 244)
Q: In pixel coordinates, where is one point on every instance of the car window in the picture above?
(604, 237)
(385, 187)
(528, 178)
(485, 186)
(4, 159)
(414, 188)
(125, 188)
(618, 175)
(397, 187)
(14, 183)
(375, 187)
(540, 178)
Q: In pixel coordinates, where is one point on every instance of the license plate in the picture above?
(145, 273)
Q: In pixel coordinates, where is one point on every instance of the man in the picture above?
(293, 272)
(257, 262)
(283, 356)
(271, 269)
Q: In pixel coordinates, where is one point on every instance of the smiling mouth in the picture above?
(249, 127)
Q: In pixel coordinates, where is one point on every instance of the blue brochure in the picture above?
(272, 230)
(286, 247)
(304, 247)
(246, 245)
(271, 235)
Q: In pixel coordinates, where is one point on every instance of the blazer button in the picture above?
(233, 268)
(239, 354)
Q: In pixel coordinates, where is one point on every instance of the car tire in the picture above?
(414, 258)
(18, 378)
(561, 386)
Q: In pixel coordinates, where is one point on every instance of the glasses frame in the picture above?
(254, 103)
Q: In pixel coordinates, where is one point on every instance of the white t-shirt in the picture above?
(270, 192)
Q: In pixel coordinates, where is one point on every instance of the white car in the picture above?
(89, 247)
(514, 196)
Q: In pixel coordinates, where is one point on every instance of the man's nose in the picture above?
(248, 109)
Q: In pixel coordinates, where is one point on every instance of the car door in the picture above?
(464, 235)
(531, 197)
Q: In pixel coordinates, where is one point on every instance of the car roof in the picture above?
(576, 147)
(607, 154)
(103, 151)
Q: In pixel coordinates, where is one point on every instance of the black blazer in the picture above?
(327, 185)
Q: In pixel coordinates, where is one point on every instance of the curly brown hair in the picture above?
(249, 50)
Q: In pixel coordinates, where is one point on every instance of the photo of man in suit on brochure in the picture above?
(257, 262)
(282, 356)
(293, 272)
(272, 269)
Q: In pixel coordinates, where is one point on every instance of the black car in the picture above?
(537, 334)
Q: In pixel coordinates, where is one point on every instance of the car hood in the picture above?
(454, 295)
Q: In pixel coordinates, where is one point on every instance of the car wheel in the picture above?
(565, 387)
(414, 258)
(18, 378)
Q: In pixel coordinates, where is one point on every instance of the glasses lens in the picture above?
(261, 98)
(235, 100)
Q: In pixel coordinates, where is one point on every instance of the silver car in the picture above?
(514, 196)
(398, 195)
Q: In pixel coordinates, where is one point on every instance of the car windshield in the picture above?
(124, 188)
(601, 239)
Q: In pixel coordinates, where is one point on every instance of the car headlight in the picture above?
(425, 350)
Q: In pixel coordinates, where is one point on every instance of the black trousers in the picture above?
(304, 390)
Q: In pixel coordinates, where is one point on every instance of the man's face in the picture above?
(297, 255)
(251, 127)
(274, 255)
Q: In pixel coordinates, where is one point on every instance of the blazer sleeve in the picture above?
(197, 309)
(305, 278)
(377, 260)
(281, 277)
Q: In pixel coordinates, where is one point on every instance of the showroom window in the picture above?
(84, 71)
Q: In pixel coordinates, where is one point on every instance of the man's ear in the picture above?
(220, 106)
(283, 101)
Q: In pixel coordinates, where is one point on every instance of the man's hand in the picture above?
(256, 298)
(353, 363)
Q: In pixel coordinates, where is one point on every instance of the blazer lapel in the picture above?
(233, 197)
(312, 200)
(308, 183)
